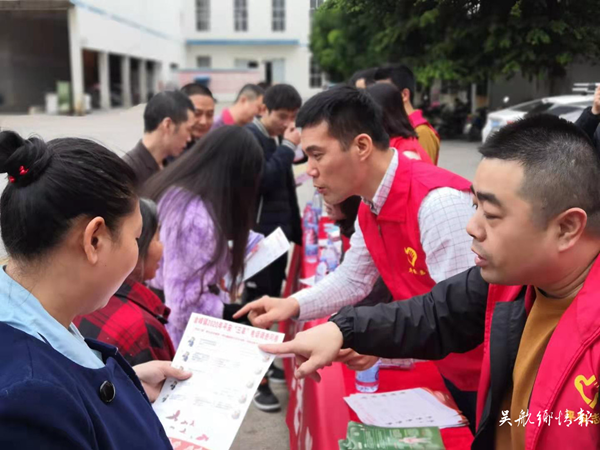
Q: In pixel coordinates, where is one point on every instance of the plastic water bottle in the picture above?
(332, 258)
(321, 269)
(317, 205)
(308, 216)
(368, 380)
(311, 246)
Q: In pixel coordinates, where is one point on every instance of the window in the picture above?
(278, 22)
(240, 15)
(316, 75)
(241, 63)
(203, 62)
(203, 15)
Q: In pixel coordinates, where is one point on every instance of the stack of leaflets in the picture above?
(361, 436)
(408, 408)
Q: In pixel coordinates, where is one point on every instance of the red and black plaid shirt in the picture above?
(133, 321)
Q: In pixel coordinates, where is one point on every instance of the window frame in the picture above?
(202, 15)
(316, 78)
(240, 16)
(208, 58)
(278, 16)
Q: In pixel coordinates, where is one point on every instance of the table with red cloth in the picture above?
(317, 415)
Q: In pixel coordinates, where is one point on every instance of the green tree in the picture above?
(340, 40)
(467, 40)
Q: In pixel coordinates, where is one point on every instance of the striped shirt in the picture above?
(442, 217)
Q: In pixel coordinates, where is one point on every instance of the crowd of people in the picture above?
(493, 279)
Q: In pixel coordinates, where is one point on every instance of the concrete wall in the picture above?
(520, 89)
(296, 60)
(147, 29)
(34, 54)
(224, 84)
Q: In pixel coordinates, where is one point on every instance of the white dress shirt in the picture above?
(443, 217)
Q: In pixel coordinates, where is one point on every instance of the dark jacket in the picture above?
(49, 402)
(589, 122)
(142, 162)
(277, 205)
(448, 319)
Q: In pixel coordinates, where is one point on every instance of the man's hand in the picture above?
(356, 361)
(292, 134)
(154, 373)
(268, 310)
(596, 104)
(314, 349)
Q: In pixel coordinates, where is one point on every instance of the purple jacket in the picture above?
(188, 235)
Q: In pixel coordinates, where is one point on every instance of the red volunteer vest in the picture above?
(410, 145)
(417, 119)
(568, 377)
(393, 239)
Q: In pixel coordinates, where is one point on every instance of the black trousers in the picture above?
(266, 282)
(466, 402)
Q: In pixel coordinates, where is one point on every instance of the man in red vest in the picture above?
(533, 299)
(402, 77)
(410, 228)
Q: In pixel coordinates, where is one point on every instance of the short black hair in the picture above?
(367, 74)
(171, 104)
(402, 77)
(561, 166)
(282, 96)
(348, 112)
(52, 184)
(197, 89)
(252, 91)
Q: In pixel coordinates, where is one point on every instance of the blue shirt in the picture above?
(21, 310)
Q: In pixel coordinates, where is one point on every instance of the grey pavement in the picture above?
(119, 130)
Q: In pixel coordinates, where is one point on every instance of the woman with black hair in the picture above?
(135, 317)
(206, 209)
(70, 221)
(402, 135)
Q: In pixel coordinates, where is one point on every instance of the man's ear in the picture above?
(570, 225)
(167, 124)
(406, 95)
(94, 238)
(364, 144)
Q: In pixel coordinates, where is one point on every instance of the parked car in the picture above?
(568, 107)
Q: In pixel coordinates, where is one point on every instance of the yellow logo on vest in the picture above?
(412, 257)
(580, 382)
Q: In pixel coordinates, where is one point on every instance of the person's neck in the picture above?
(262, 120)
(236, 114)
(408, 107)
(379, 163)
(570, 285)
(152, 142)
(50, 286)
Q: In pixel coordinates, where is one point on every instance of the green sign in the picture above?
(365, 437)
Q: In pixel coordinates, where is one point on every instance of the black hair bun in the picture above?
(24, 160)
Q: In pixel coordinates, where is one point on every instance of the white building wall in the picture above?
(259, 21)
(147, 29)
(224, 45)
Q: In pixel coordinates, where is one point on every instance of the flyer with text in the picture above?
(206, 411)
